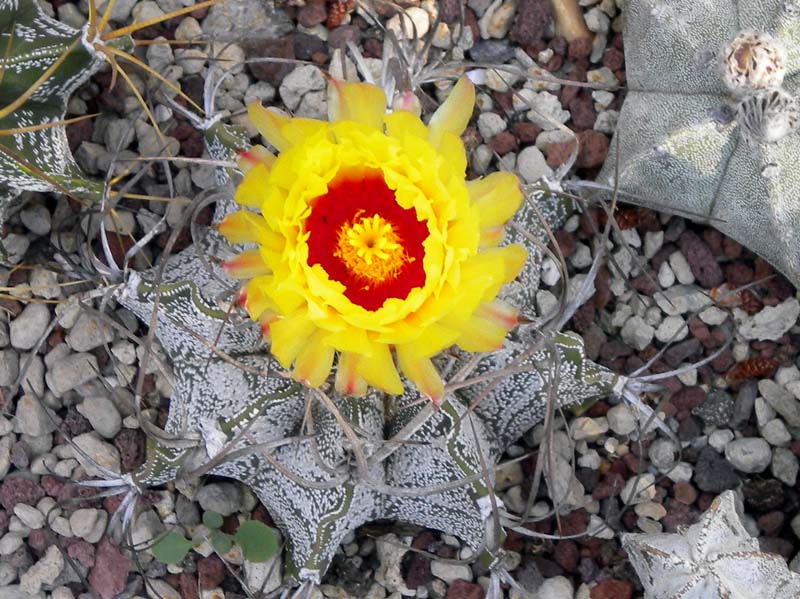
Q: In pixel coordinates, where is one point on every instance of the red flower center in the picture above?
(366, 241)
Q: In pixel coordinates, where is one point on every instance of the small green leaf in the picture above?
(212, 519)
(171, 548)
(258, 541)
(221, 541)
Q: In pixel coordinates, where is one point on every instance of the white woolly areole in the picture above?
(767, 116)
(485, 505)
(752, 61)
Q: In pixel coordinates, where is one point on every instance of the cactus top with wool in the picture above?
(709, 124)
(370, 243)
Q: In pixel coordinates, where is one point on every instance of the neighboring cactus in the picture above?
(708, 128)
(43, 62)
(716, 558)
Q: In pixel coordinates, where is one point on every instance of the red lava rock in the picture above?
(471, 138)
(373, 48)
(646, 284)
(771, 522)
(566, 242)
(579, 48)
(461, 589)
(188, 586)
(449, 10)
(526, 133)
(131, 444)
(110, 572)
(698, 328)
(79, 132)
(81, 551)
(559, 45)
(738, 274)
(684, 493)
(503, 143)
(732, 249)
(613, 58)
(574, 523)
(533, 19)
(688, 398)
(40, 539)
(339, 37)
(558, 153)
(582, 111)
(583, 318)
(191, 140)
(271, 72)
(566, 555)
(702, 262)
(211, 572)
(612, 589)
(313, 13)
(593, 148)
(19, 490)
(554, 64)
(418, 572)
(51, 485)
(602, 287)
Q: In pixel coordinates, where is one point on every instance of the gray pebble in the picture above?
(32, 418)
(223, 498)
(30, 325)
(785, 466)
(749, 454)
(532, 165)
(450, 572)
(775, 433)
(662, 454)
(9, 367)
(637, 333)
(36, 217)
(295, 85)
(71, 371)
(781, 400)
(44, 283)
(102, 414)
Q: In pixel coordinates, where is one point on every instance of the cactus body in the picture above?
(708, 128)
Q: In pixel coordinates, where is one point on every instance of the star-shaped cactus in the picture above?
(327, 464)
(51, 60)
(715, 558)
(708, 125)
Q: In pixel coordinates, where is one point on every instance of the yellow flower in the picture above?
(370, 245)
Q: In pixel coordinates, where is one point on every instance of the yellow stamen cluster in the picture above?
(371, 249)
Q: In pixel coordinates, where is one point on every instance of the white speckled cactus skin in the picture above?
(689, 143)
(715, 558)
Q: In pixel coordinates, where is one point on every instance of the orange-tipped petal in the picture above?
(421, 372)
(492, 236)
(265, 322)
(269, 124)
(407, 101)
(247, 227)
(348, 381)
(488, 327)
(454, 114)
(314, 362)
(246, 265)
(378, 370)
(247, 159)
(359, 102)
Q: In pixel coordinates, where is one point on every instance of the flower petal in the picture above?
(497, 197)
(269, 124)
(247, 227)
(314, 362)
(488, 327)
(421, 372)
(454, 114)
(379, 370)
(289, 336)
(246, 265)
(258, 154)
(252, 191)
(348, 381)
(360, 102)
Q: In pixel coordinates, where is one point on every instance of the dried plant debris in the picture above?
(708, 128)
(716, 558)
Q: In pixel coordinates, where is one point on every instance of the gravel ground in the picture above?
(737, 417)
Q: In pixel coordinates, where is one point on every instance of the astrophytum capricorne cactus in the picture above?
(708, 127)
(324, 462)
